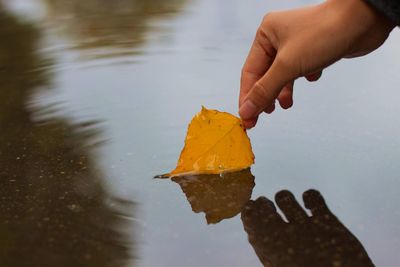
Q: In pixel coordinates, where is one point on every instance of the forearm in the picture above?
(390, 8)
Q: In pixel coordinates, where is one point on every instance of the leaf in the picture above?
(216, 142)
(218, 196)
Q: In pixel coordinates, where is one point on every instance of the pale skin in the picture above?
(301, 43)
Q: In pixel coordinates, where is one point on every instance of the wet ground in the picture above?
(95, 98)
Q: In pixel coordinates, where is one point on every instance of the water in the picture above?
(95, 100)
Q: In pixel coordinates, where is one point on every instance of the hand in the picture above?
(302, 42)
(303, 241)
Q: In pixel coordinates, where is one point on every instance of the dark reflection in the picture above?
(218, 196)
(54, 209)
(303, 241)
(119, 24)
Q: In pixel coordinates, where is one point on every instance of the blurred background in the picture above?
(95, 98)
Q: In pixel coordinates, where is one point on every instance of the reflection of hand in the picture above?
(317, 241)
(301, 42)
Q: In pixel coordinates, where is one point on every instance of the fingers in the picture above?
(260, 211)
(248, 124)
(270, 109)
(314, 201)
(314, 76)
(266, 90)
(258, 61)
(285, 97)
(290, 207)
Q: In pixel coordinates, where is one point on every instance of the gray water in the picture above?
(95, 98)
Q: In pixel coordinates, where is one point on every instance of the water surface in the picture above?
(95, 98)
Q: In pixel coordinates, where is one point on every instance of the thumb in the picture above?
(266, 90)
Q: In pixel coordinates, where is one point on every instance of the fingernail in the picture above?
(248, 110)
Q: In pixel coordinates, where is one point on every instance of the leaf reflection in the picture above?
(218, 196)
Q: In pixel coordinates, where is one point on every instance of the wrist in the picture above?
(389, 8)
(361, 27)
(360, 12)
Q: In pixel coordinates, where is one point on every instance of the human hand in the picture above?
(302, 42)
(303, 241)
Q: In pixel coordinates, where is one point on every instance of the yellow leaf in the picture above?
(219, 197)
(216, 142)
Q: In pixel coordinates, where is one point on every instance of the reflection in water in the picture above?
(303, 241)
(218, 196)
(54, 210)
(120, 25)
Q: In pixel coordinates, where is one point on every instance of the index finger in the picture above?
(260, 58)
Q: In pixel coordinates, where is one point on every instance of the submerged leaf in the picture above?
(218, 196)
(216, 142)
